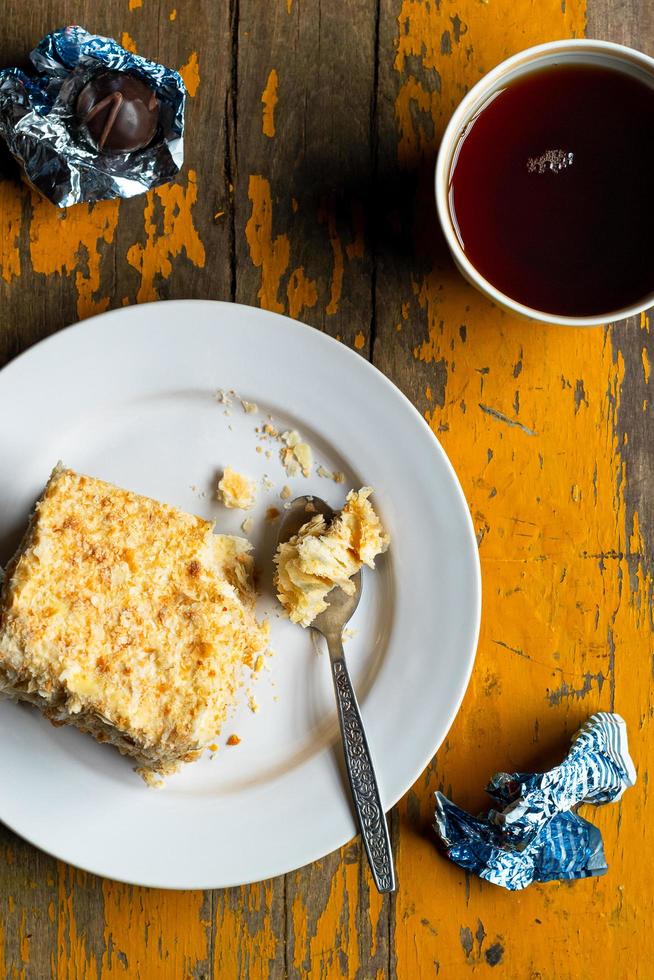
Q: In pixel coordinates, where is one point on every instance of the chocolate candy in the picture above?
(119, 111)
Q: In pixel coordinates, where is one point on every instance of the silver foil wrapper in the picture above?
(535, 834)
(37, 119)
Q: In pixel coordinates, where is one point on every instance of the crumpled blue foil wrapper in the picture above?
(37, 119)
(534, 834)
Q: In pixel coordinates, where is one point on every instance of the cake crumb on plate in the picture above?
(296, 455)
(235, 490)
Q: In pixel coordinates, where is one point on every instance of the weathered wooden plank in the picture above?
(562, 617)
(305, 152)
(304, 156)
(54, 268)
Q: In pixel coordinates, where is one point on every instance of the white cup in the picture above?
(573, 52)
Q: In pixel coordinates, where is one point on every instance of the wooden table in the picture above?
(312, 133)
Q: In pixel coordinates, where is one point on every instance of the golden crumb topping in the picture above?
(122, 613)
(236, 491)
(320, 557)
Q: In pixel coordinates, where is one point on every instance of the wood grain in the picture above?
(312, 135)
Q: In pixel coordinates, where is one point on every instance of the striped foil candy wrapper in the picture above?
(38, 122)
(534, 832)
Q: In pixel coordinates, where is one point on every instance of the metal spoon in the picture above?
(358, 760)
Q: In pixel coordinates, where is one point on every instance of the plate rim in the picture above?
(394, 391)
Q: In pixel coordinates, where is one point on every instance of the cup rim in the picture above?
(460, 118)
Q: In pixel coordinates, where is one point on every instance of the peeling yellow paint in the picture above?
(75, 955)
(270, 100)
(327, 215)
(72, 242)
(359, 341)
(152, 933)
(636, 543)
(190, 73)
(128, 42)
(268, 254)
(301, 292)
(135, 4)
(647, 368)
(312, 931)
(172, 15)
(249, 955)
(170, 208)
(11, 206)
(24, 938)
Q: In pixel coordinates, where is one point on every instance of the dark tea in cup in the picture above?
(551, 188)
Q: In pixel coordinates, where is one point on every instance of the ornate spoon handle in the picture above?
(360, 770)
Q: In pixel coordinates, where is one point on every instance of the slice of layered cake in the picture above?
(129, 619)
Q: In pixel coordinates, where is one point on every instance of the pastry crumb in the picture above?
(150, 778)
(266, 483)
(253, 704)
(259, 664)
(247, 525)
(235, 490)
(296, 456)
(286, 493)
(334, 475)
(250, 408)
(223, 397)
(213, 747)
(233, 740)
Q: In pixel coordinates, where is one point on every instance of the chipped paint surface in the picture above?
(11, 205)
(128, 42)
(270, 100)
(190, 72)
(302, 293)
(80, 236)
(269, 254)
(170, 234)
(327, 216)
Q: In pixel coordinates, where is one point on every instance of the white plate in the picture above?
(129, 397)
